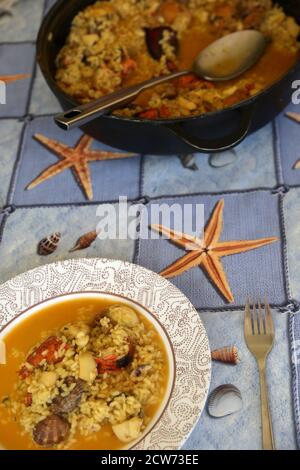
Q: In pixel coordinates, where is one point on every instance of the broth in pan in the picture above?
(117, 43)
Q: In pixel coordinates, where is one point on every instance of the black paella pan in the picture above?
(207, 133)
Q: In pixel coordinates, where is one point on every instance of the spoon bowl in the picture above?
(230, 56)
(224, 59)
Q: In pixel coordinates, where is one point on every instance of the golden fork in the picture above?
(259, 335)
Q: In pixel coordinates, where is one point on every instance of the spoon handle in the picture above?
(87, 112)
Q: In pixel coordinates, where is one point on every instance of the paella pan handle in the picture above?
(222, 143)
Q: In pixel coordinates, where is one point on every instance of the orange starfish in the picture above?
(77, 159)
(207, 253)
(293, 116)
(13, 78)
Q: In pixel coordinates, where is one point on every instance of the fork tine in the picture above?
(247, 320)
(255, 320)
(260, 319)
(263, 317)
(269, 320)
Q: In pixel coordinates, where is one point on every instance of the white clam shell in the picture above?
(224, 400)
(222, 159)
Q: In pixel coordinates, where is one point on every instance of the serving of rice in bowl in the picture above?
(99, 379)
(99, 354)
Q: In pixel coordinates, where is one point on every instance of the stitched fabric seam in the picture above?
(295, 378)
(284, 247)
(277, 153)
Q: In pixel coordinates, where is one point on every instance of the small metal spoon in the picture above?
(224, 59)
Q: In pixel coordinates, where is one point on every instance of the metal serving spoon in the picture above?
(224, 59)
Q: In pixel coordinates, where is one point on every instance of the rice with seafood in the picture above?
(117, 43)
(87, 375)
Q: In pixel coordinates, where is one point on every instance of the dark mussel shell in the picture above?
(51, 430)
(154, 37)
(68, 403)
(126, 360)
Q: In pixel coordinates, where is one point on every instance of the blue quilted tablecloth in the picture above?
(261, 192)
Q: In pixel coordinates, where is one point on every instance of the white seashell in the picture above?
(219, 160)
(6, 7)
(224, 400)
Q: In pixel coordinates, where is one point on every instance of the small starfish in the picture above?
(77, 159)
(13, 78)
(207, 253)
